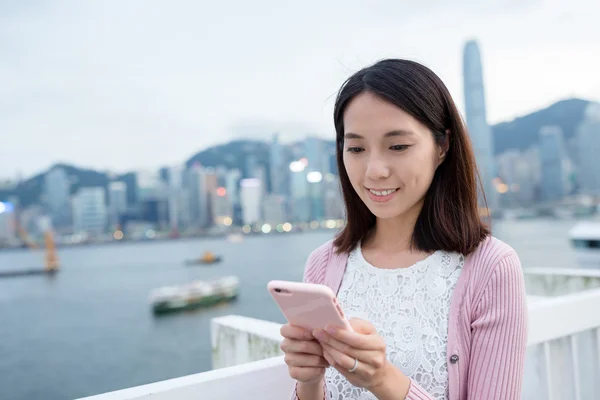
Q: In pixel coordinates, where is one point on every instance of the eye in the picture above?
(355, 150)
(399, 147)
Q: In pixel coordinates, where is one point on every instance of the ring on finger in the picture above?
(355, 365)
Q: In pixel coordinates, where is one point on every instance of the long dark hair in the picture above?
(450, 218)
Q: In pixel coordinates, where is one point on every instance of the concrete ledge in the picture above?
(238, 340)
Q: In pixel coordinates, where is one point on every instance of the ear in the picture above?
(444, 146)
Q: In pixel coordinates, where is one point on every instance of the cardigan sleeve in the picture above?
(499, 335)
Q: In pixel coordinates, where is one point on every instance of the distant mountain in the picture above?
(232, 155)
(520, 133)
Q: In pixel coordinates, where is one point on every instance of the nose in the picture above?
(377, 169)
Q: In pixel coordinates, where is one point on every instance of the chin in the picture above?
(385, 212)
(391, 214)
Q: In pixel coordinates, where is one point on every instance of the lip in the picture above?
(381, 199)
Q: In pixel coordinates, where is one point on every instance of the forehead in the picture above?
(368, 114)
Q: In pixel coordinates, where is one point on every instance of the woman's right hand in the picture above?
(303, 354)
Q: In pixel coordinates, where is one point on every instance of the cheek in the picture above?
(352, 169)
(419, 171)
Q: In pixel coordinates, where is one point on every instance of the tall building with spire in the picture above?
(479, 130)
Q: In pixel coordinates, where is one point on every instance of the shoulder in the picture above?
(493, 262)
(316, 264)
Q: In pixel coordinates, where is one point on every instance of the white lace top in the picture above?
(410, 308)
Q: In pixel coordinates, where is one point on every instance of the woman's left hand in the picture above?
(342, 347)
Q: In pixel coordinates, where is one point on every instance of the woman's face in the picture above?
(389, 156)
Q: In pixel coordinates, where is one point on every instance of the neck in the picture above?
(394, 235)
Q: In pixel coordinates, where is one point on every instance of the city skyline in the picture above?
(192, 153)
(92, 79)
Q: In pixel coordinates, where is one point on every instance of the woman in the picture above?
(437, 304)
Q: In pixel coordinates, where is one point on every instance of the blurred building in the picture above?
(29, 219)
(57, 199)
(316, 194)
(222, 207)
(232, 185)
(300, 202)
(479, 130)
(251, 195)
(278, 167)
(89, 211)
(198, 197)
(211, 189)
(176, 198)
(508, 188)
(588, 143)
(8, 232)
(274, 209)
(117, 202)
(553, 160)
(149, 185)
(316, 154)
(334, 201)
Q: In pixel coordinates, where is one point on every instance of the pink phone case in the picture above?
(308, 305)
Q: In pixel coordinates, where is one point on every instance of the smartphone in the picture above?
(308, 305)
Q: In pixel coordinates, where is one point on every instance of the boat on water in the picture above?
(194, 295)
(207, 258)
(585, 238)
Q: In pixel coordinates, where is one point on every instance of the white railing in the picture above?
(563, 356)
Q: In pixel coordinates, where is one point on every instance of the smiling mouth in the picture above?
(385, 192)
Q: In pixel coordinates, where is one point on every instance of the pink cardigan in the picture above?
(487, 329)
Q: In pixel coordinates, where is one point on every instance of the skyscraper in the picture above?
(176, 198)
(300, 193)
(89, 210)
(479, 130)
(278, 167)
(57, 196)
(198, 197)
(251, 196)
(588, 143)
(318, 158)
(553, 158)
(7, 223)
(117, 201)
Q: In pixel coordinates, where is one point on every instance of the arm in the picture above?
(314, 272)
(499, 335)
(499, 340)
(309, 391)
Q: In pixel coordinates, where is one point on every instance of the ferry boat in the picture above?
(585, 238)
(194, 295)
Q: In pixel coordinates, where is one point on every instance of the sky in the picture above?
(128, 85)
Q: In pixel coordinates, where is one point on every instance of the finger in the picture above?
(295, 332)
(362, 326)
(305, 360)
(301, 346)
(356, 340)
(330, 341)
(343, 362)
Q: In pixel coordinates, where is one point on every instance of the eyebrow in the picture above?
(398, 132)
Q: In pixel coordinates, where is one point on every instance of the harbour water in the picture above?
(89, 329)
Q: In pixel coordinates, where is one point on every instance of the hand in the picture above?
(303, 354)
(341, 347)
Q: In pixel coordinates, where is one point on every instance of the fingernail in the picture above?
(319, 334)
(331, 330)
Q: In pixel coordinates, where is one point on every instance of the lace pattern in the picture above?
(410, 308)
